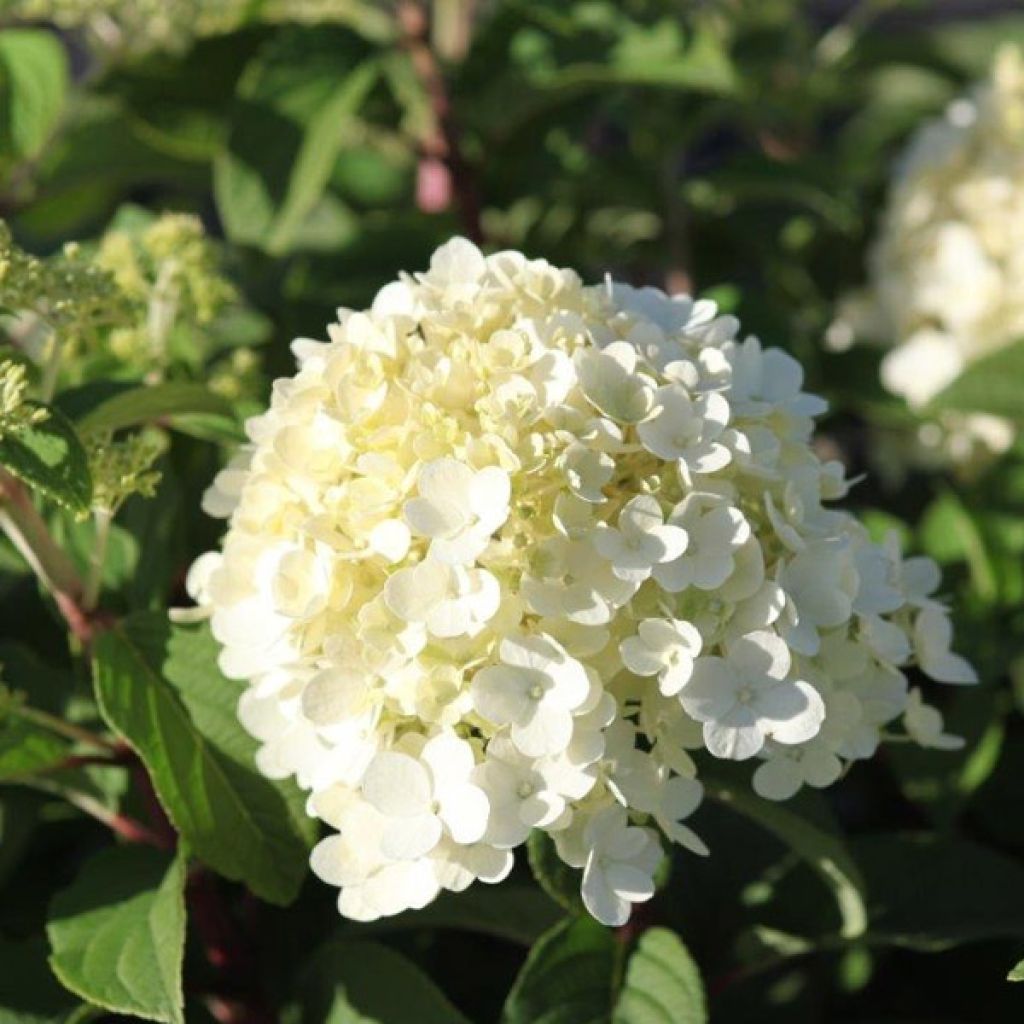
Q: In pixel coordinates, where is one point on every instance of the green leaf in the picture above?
(33, 88)
(568, 977)
(821, 849)
(26, 748)
(663, 984)
(932, 892)
(18, 816)
(117, 933)
(366, 983)
(1017, 973)
(146, 405)
(159, 687)
(288, 124)
(560, 881)
(49, 457)
(988, 385)
(29, 993)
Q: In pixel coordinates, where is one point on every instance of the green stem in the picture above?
(103, 518)
(75, 733)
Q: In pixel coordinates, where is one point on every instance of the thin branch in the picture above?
(76, 733)
(30, 535)
(129, 829)
(443, 170)
(239, 997)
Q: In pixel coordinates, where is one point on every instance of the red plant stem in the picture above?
(442, 147)
(28, 532)
(239, 998)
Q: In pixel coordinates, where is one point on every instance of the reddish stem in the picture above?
(239, 998)
(442, 151)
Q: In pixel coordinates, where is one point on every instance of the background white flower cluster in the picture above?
(947, 268)
(507, 549)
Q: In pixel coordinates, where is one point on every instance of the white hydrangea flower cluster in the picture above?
(947, 269)
(507, 548)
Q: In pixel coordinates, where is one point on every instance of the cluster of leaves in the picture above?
(738, 147)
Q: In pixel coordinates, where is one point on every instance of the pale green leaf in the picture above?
(159, 687)
(148, 405)
(33, 88)
(988, 385)
(366, 983)
(288, 125)
(663, 984)
(117, 933)
(1017, 973)
(568, 977)
(49, 457)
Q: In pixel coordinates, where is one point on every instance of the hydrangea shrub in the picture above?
(511, 552)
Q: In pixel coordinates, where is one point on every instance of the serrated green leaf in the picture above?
(33, 88)
(148, 404)
(29, 993)
(988, 385)
(568, 977)
(49, 457)
(159, 687)
(663, 984)
(560, 881)
(366, 983)
(287, 128)
(117, 933)
(822, 850)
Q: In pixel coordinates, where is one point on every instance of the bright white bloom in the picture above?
(947, 270)
(641, 541)
(747, 696)
(664, 648)
(506, 549)
(457, 508)
(534, 690)
(620, 865)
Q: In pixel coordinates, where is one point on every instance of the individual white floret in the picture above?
(933, 635)
(687, 430)
(620, 865)
(424, 798)
(664, 648)
(534, 690)
(641, 541)
(611, 381)
(716, 531)
(458, 509)
(746, 697)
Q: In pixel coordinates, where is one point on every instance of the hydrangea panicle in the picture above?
(947, 268)
(507, 549)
